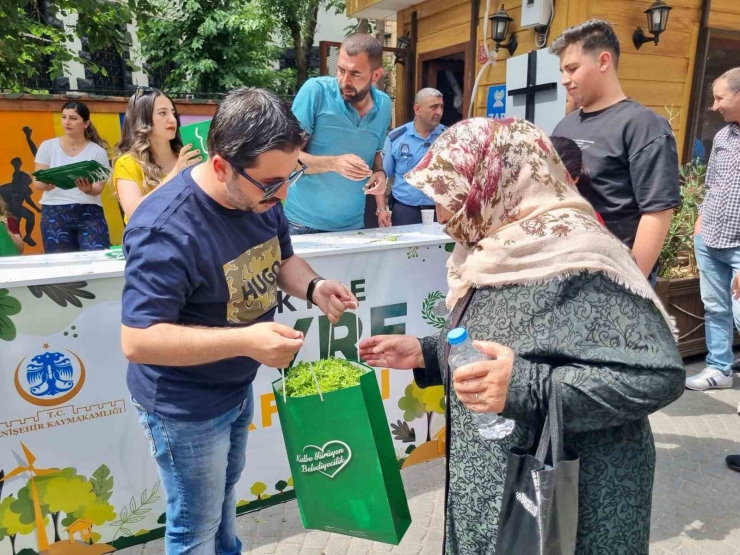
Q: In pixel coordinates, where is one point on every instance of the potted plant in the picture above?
(678, 284)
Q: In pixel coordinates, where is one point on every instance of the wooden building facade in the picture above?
(673, 78)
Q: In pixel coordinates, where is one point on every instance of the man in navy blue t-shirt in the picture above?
(205, 255)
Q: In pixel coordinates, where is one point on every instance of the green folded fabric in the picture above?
(64, 176)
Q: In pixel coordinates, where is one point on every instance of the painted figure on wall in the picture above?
(18, 193)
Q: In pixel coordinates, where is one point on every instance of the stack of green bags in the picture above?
(64, 176)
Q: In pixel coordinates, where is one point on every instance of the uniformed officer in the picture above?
(404, 147)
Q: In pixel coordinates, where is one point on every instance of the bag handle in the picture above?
(552, 432)
(310, 365)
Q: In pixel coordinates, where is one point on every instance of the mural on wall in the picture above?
(23, 133)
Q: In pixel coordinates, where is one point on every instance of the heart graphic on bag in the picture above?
(328, 460)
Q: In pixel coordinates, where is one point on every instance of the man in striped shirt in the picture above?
(717, 239)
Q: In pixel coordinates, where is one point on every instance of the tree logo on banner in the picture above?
(50, 378)
(434, 310)
(329, 460)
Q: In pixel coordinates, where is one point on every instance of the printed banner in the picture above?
(76, 461)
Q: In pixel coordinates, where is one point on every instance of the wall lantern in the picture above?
(500, 22)
(657, 16)
(402, 43)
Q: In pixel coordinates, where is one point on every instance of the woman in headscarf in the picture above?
(542, 286)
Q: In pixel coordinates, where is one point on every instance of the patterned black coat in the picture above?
(618, 362)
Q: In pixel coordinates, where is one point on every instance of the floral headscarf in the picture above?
(518, 217)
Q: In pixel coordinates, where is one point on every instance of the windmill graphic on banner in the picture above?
(38, 488)
(35, 473)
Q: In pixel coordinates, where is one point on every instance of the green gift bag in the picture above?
(344, 467)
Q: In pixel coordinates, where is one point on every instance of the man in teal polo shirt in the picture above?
(404, 148)
(347, 120)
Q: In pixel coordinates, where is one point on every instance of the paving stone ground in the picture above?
(696, 500)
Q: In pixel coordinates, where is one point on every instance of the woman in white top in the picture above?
(73, 220)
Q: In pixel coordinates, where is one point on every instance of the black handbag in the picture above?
(539, 510)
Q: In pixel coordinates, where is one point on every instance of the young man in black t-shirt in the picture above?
(629, 150)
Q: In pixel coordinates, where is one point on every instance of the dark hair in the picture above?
(357, 43)
(594, 36)
(91, 134)
(137, 124)
(250, 121)
(572, 158)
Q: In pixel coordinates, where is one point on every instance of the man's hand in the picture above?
(697, 226)
(384, 218)
(377, 184)
(735, 288)
(352, 167)
(272, 344)
(651, 233)
(333, 298)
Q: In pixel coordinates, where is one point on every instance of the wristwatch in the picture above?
(311, 287)
(379, 210)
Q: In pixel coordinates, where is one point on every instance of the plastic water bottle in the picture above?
(462, 352)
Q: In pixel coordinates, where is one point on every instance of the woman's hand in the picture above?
(43, 186)
(401, 352)
(187, 157)
(90, 188)
(483, 386)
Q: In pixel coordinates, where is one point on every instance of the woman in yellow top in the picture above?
(150, 151)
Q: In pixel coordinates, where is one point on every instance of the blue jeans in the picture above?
(73, 228)
(298, 229)
(717, 268)
(200, 464)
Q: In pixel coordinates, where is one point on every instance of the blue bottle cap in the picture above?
(457, 336)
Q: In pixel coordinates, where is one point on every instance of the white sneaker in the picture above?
(709, 378)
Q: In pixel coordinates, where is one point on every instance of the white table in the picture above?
(71, 304)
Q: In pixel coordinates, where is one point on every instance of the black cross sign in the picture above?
(532, 88)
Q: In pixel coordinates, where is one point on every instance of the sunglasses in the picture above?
(269, 190)
(142, 91)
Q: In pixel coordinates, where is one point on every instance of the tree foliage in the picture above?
(32, 30)
(210, 45)
(296, 22)
(66, 493)
(11, 524)
(258, 489)
(417, 402)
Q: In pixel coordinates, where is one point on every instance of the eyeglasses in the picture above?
(269, 190)
(142, 91)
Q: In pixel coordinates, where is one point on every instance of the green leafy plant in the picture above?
(211, 46)
(677, 258)
(295, 22)
(333, 374)
(31, 30)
